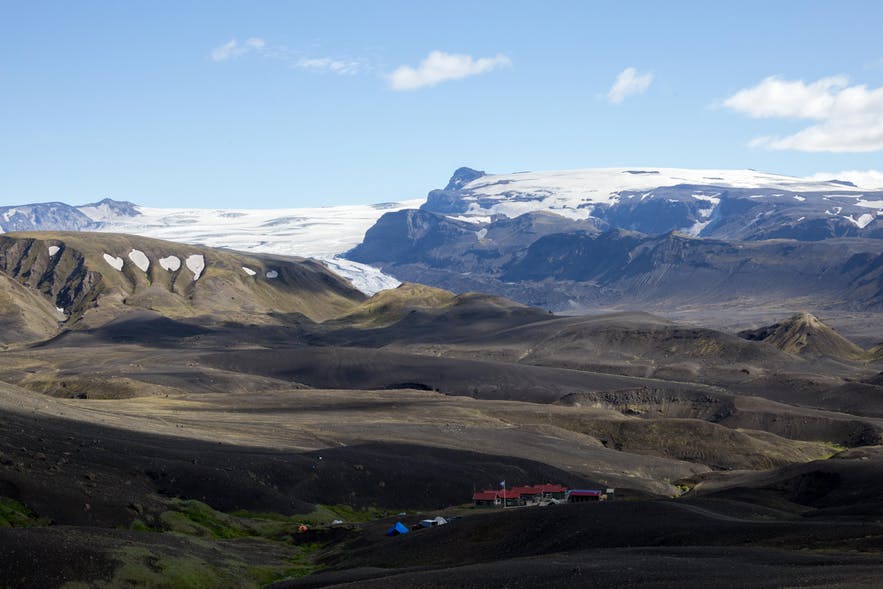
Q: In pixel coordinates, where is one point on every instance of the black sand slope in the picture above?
(359, 368)
(656, 544)
(736, 462)
(85, 474)
(664, 568)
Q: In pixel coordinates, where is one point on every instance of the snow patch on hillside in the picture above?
(862, 221)
(196, 264)
(705, 215)
(139, 259)
(170, 263)
(115, 262)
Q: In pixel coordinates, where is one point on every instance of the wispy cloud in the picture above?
(344, 67)
(848, 118)
(233, 48)
(440, 67)
(871, 179)
(628, 83)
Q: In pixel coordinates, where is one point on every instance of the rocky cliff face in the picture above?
(56, 271)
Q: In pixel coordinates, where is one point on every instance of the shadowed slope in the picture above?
(25, 316)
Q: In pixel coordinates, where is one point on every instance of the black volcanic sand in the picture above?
(650, 543)
(85, 474)
(848, 484)
(359, 368)
(673, 568)
(816, 523)
(497, 354)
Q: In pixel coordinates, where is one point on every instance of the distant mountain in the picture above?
(516, 234)
(665, 237)
(109, 210)
(49, 216)
(617, 267)
(728, 204)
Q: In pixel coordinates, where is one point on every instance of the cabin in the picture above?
(512, 498)
(550, 491)
(485, 499)
(520, 496)
(583, 495)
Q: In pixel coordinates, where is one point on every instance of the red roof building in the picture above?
(580, 495)
(485, 498)
(519, 495)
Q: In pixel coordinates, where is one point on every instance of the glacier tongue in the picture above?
(320, 232)
(367, 279)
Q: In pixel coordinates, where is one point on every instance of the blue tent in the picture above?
(397, 529)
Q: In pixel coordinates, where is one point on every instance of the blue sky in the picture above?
(286, 104)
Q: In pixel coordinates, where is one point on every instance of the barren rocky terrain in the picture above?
(170, 428)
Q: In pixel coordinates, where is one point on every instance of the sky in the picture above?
(271, 104)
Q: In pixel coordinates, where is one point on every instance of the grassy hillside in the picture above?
(94, 277)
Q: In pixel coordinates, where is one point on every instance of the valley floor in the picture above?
(162, 452)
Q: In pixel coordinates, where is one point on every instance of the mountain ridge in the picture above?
(92, 278)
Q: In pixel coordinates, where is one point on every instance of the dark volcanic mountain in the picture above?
(804, 334)
(741, 238)
(548, 264)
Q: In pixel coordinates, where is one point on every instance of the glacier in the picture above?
(322, 233)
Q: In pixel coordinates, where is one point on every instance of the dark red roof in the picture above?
(524, 490)
(550, 488)
(517, 492)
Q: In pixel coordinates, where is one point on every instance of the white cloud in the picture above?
(233, 48)
(628, 83)
(329, 64)
(869, 179)
(849, 118)
(440, 67)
